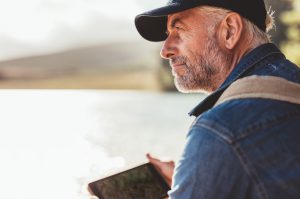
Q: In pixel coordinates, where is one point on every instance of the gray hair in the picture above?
(215, 15)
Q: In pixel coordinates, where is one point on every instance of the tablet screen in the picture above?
(141, 182)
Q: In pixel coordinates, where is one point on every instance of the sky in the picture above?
(43, 26)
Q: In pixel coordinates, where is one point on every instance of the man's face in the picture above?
(193, 52)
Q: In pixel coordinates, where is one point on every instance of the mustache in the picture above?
(177, 60)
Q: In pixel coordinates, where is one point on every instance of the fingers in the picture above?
(158, 162)
(152, 159)
(164, 168)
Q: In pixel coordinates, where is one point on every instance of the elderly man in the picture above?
(246, 147)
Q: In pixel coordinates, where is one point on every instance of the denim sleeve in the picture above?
(209, 169)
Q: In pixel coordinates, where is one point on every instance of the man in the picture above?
(242, 148)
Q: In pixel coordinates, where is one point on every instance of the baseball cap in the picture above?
(152, 25)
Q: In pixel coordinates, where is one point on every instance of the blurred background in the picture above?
(93, 44)
(98, 97)
(77, 44)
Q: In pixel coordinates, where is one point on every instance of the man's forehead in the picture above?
(181, 16)
(173, 17)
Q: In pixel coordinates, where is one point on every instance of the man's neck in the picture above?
(244, 46)
(241, 50)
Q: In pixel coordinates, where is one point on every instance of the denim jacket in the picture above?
(243, 148)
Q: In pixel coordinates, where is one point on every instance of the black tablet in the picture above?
(142, 182)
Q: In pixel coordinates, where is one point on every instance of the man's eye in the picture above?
(178, 27)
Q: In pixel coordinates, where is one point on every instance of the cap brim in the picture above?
(152, 25)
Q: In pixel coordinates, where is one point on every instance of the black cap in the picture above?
(152, 25)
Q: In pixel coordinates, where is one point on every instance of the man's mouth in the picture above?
(178, 68)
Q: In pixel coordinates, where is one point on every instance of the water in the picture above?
(53, 142)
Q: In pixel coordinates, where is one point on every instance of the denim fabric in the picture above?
(245, 148)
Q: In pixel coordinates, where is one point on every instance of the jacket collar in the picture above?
(246, 64)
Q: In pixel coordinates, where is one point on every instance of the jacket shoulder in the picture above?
(240, 118)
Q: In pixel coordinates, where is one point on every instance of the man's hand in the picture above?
(166, 169)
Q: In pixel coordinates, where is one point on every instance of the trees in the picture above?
(291, 46)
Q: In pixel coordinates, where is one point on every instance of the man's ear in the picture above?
(231, 30)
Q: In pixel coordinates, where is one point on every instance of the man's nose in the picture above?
(168, 50)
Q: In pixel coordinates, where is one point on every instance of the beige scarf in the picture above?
(266, 87)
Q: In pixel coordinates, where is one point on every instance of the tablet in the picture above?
(142, 182)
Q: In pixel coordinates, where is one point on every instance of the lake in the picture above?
(53, 142)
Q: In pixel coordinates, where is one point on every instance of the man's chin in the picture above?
(182, 87)
(187, 88)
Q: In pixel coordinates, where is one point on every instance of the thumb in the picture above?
(158, 162)
(154, 160)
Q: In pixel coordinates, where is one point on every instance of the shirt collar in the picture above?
(241, 69)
